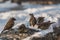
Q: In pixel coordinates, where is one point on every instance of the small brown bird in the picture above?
(32, 20)
(9, 24)
(40, 20)
(44, 25)
(22, 28)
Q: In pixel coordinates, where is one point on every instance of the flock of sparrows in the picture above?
(33, 21)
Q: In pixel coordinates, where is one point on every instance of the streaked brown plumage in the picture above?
(44, 25)
(9, 24)
(32, 20)
(22, 28)
(40, 20)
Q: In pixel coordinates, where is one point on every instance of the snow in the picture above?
(40, 34)
(50, 12)
(7, 5)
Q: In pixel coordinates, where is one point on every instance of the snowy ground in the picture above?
(50, 12)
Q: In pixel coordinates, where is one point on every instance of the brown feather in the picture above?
(40, 20)
(32, 20)
(44, 25)
(9, 24)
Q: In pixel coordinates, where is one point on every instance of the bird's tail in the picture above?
(2, 31)
(52, 22)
